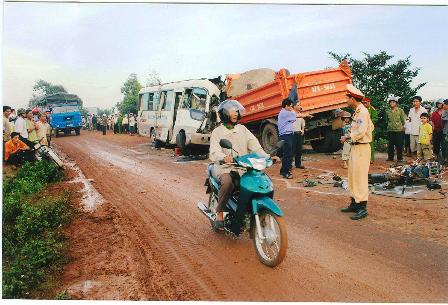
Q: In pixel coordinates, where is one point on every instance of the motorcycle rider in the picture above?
(243, 142)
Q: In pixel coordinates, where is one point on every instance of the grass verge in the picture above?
(33, 242)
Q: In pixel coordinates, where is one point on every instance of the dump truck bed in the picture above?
(318, 91)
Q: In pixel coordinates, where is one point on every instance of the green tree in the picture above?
(130, 90)
(42, 88)
(377, 77)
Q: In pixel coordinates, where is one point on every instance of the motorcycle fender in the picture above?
(266, 203)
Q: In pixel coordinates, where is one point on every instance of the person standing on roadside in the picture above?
(125, 123)
(374, 117)
(414, 118)
(94, 122)
(43, 130)
(31, 126)
(131, 124)
(20, 126)
(437, 132)
(396, 118)
(104, 123)
(6, 127)
(424, 140)
(299, 133)
(286, 118)
(359, 162)
(345, 139)
(445, 132)
(115, 123)
(120, 123)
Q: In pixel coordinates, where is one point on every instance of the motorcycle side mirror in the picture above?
(224, 143)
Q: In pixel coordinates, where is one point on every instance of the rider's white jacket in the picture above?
(243, 142)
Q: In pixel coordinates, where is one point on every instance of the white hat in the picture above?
(393, 98)
(353, 91)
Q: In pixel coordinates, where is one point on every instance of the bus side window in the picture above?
(150, 101)
(144, 101)
(156, 101)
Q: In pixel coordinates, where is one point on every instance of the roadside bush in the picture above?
(33, 244)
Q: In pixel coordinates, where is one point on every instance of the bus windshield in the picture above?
(65, 109)
(195, 98)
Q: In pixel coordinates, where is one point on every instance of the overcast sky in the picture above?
(91, 49)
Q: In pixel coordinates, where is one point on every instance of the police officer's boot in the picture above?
(361, 211)
(351, 208)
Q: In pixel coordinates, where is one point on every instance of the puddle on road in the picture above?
(91, 198)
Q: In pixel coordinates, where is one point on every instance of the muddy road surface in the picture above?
(150, 242)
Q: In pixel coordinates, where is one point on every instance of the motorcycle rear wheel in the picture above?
(272, 250)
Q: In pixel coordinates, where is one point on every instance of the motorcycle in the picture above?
(42, 151)
(251, 207)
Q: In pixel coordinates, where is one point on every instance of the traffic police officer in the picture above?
(358, 166)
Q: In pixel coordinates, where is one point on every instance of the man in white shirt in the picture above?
(299, 131)
(20, 126)
(415, 122)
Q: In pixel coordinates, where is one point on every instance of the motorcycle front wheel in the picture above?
(272, 243)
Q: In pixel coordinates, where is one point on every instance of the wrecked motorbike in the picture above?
(42, 151)
(251, 207)
(409, 174)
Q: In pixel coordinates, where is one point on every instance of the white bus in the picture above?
(175, 113)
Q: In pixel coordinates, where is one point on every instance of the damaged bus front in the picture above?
(179, 113)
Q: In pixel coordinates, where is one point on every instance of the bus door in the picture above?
(165, 115)
(178, 95)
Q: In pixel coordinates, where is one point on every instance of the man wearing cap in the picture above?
(414, 119)
(374, 117)
(396, 118)
(20, 126)
(437, 131)
(358, 165)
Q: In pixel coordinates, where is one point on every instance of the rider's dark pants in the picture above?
(225, 191)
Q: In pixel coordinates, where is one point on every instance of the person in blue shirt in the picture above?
(286, 118)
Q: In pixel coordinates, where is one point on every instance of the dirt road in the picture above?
(148, 241)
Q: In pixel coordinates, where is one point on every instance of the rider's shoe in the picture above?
(361, 211)
(352, 208)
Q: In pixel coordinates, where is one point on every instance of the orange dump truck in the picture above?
(321, 93)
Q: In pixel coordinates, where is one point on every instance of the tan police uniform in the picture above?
(359, 162)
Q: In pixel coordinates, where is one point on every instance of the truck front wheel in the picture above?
(269, 137)
(78, 131)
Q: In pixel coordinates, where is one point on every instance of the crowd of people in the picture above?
(119, 123)
(21, 131)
